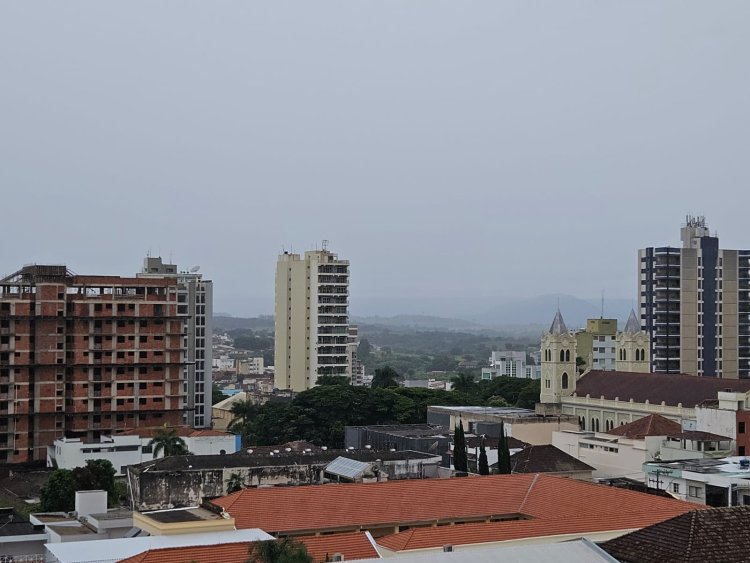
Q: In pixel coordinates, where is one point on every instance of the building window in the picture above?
(567, 355)
(562, 355)
(741, 429)
(675, 487)
(564, 380)
(741, 450)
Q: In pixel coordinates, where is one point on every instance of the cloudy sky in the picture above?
(451, 150)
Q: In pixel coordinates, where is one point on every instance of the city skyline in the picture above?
(508, 150)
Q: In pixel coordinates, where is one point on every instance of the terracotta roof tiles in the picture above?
(651, 425)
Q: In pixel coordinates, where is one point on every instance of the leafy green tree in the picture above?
(364, 349)
(167, 440)
(333, 380)
(235, 483)
(243, 412)
(463, 382)
(283, 550)
(483, 466)
(503, 452)
(103, 474)
(59, 493)
(216, 395)
(497, 401)
(460, 459)
(385, 377)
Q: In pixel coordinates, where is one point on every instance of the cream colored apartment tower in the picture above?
(312, 318)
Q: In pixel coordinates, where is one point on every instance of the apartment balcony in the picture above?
(333, 320)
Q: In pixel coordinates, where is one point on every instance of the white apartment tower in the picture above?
(312, 318)
(195, 302)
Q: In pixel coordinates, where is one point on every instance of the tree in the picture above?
(460, 460)
(364, 349)
(235, 483)
(103, 475)
(497, 401)
(59, 493)
(503, 452)
(283, 550)
(385, 377)
(243, 412)
(484, 468)
(216, 394)
(333, 380)
(167, 440)
(463, 382)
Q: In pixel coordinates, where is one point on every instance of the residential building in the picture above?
(337, 547)
(510, 364)
(185, 480)
(195, 303)
(222, 415)
(82, 356)
(20, 539)
(133, 448)
(356, 367)
(428, 514)
(695, 305)
(522, 424)
(713, 482)
(596, 344)
(717, 535)
(251, 366)
(120, 549)
(312, 318)
(550, 460)
(622, 451)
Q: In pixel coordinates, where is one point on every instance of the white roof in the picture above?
(110, 551)
(578, 551)
(345, 467)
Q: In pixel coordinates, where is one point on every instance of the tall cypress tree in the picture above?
(459, 449)
(503, 452)
(484, 468)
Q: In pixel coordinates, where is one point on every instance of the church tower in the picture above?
(558, 362)
(633, 348)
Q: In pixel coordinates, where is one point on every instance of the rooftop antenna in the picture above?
(602, 313)
(325, 244)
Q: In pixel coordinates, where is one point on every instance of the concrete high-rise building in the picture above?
(597, 344)
(695, 305)
(195, 303)
(85, 356)
(312, 318)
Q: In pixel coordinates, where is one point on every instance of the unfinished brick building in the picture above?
(82, 356)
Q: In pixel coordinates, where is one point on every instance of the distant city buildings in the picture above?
(195, 303)
(312, 319)
(85, 356)
(695, 305)
(510, 364)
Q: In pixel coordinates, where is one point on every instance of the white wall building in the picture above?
(508, 363)
(195, 302)
(124, 450)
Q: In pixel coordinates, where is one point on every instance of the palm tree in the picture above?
(243, 412)
(463, 382)
(167, 440)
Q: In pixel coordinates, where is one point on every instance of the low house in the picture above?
(713, 482)
(20, 537)
(522, 424)
(428, 514)
(717, 535)
(186, 480)
(624, 449)
(549, 460)
(132, 447)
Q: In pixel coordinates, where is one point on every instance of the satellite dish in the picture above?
(194, 269)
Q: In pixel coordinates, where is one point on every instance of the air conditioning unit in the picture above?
(447, 548)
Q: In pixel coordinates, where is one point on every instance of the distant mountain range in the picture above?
(520, 315)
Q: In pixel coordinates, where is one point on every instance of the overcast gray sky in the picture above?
(450, 150)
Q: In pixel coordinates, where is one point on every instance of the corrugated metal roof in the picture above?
(348, 468)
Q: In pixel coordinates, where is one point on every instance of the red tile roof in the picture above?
(672, 389)
(321, 548)
(651, 425)
(183, 431)
(351, 546)
(226, 553)
(366, 506)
